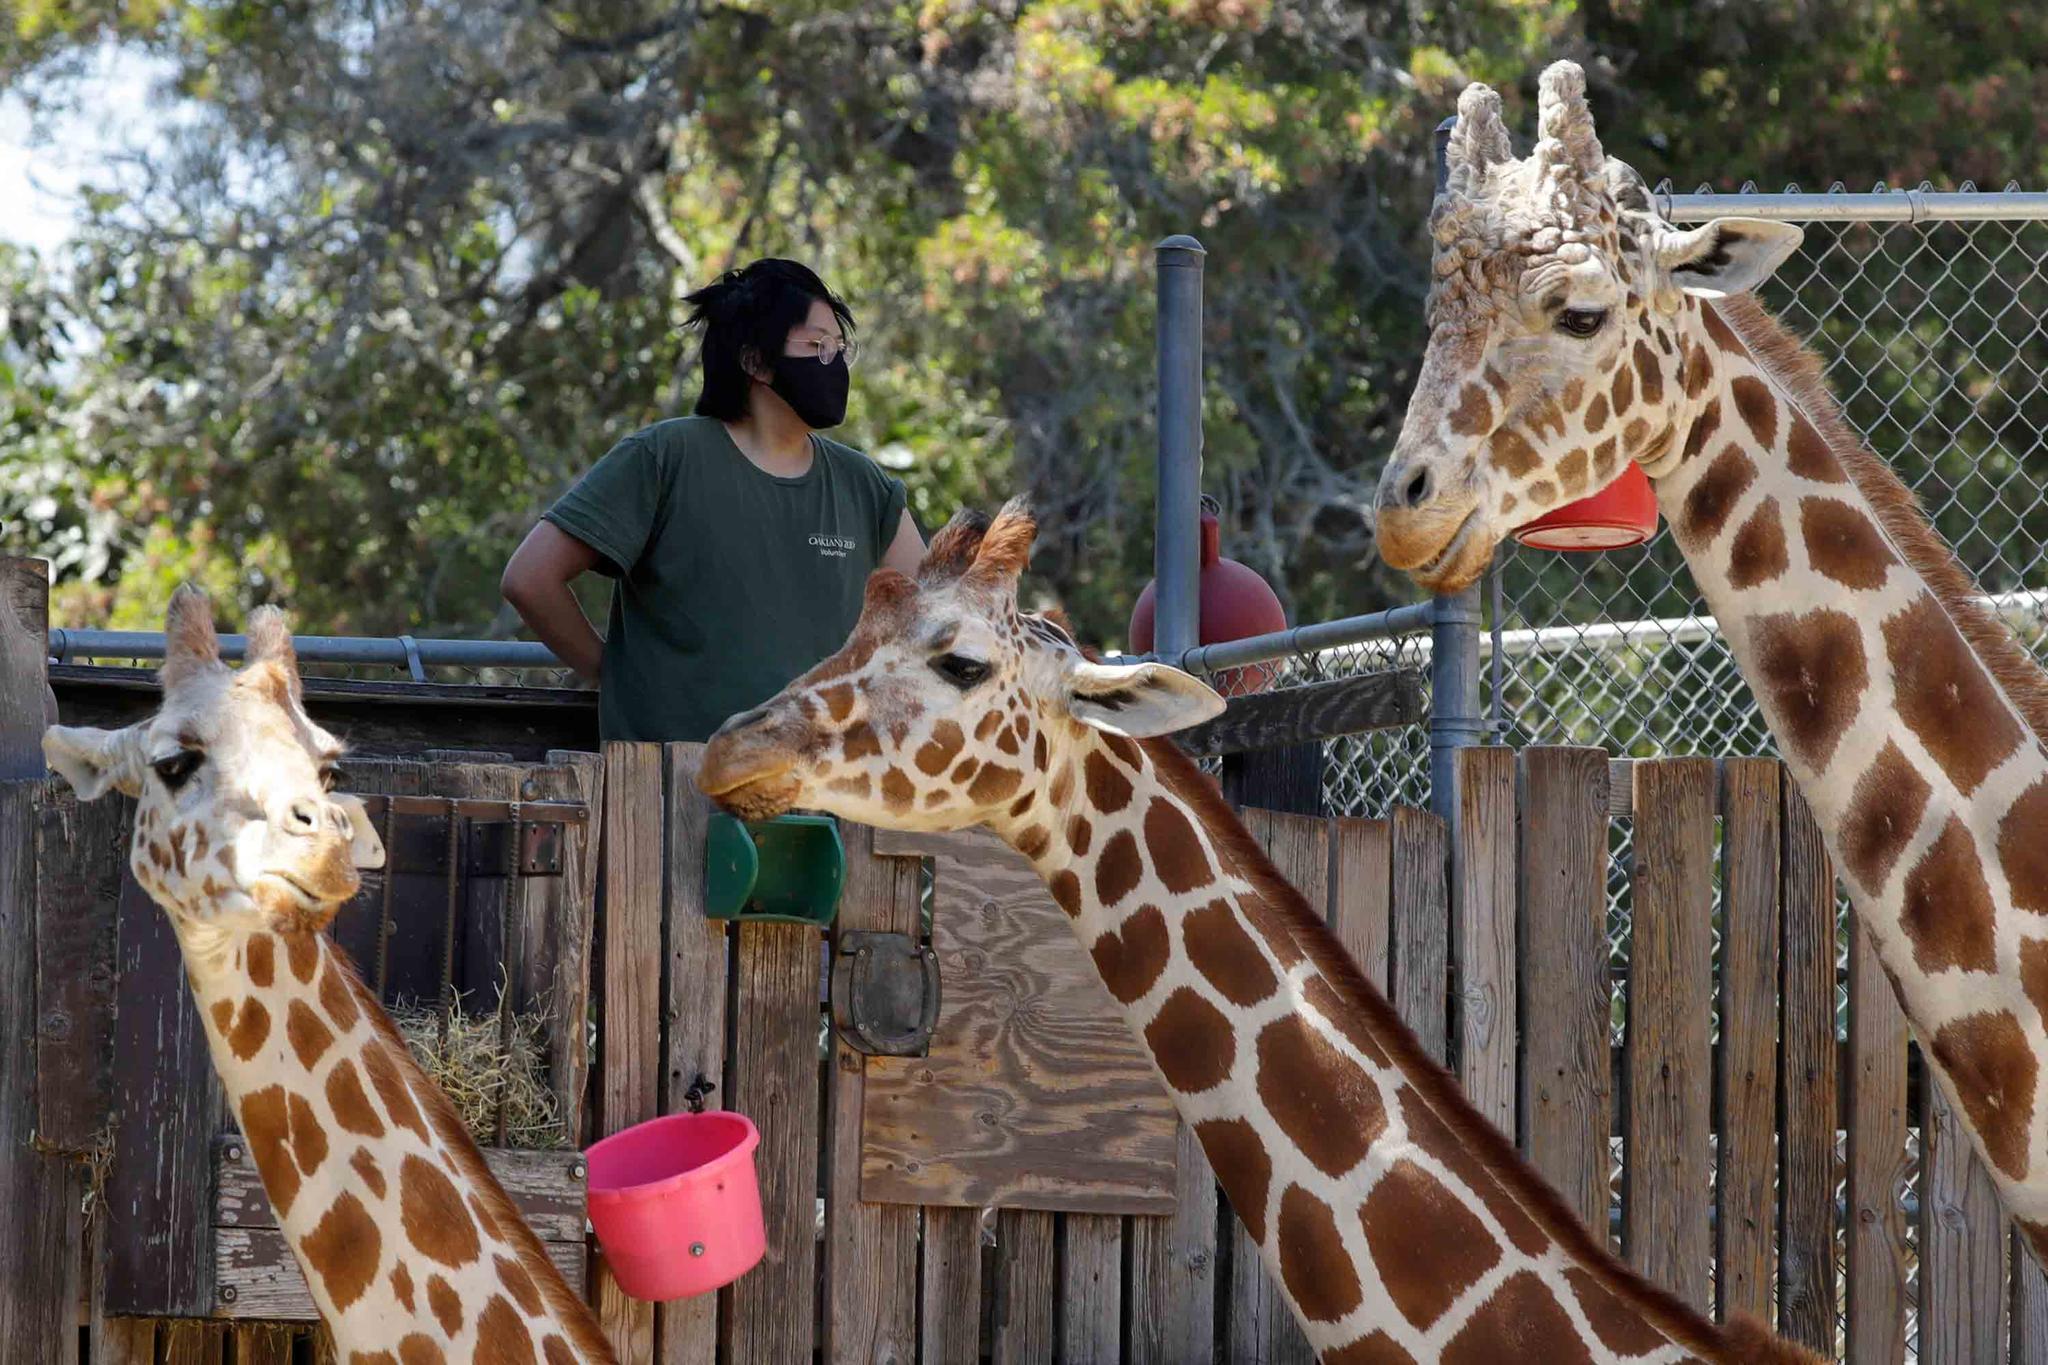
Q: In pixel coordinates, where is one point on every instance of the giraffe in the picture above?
(412, 1251)
(1572, 329)
(1400, 1226)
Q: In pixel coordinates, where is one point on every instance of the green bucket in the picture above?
(788, 870)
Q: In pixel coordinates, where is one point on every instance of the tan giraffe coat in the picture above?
(1400, 1226)
(412, 1251)
(1568, 318)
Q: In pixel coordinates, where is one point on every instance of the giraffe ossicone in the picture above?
(1573, 328)
(1400, 1226)
(412, 1251)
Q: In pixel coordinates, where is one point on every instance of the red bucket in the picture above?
(676, 1204)
(1622, 514)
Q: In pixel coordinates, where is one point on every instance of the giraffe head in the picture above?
(236, 822)
(1566, 334)
(946, 705)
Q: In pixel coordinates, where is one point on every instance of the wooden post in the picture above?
(24, 667)
(1483, 939)
(1806, 1086)
(1748, 1074)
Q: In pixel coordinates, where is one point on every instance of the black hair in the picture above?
(751, 311)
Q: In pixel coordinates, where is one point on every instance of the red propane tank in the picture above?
(1236, 603)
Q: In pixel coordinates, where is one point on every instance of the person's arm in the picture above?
(536, 583)
(906, 551)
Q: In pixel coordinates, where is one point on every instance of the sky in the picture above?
(42, 168)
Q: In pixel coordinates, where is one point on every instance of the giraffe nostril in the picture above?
(1416, 490)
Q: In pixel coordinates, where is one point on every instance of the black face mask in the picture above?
(817, 393)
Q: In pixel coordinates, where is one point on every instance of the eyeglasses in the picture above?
(830, 348)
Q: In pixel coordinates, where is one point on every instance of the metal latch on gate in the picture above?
(885, 993)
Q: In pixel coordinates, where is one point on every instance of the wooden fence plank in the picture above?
(193, 1343)
(1090, 1289)
(1419, 943)
(2029, 1305)
(1807, 1067)
(1025, 1283)
(1746, 1187)
(870, 1249)
(630, 1013)
(949, 1301)
(81, 853)
(1567, 1098)
(1361, 887)
(263, 1344)
(568, 909)
(1876, 1081)
(1483, 931)
(1665, 1229)
(768, 1314)
(125, 1341)
(1963, 1240)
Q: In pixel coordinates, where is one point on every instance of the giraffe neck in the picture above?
(1396, 1221)
(409, 1246)
(1903, 713)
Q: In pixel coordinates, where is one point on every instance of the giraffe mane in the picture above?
(1798, 369)
(563, 1303)
(1741, 1339)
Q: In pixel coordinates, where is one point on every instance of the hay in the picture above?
(481, 1064)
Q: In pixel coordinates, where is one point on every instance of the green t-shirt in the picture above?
(731, 580)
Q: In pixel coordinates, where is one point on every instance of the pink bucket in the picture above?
(676, 1204)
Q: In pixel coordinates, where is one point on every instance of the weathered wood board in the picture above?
(1035, 1095)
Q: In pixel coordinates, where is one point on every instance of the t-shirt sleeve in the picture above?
(612, 509)
(895, 497)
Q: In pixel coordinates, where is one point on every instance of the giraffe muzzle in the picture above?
(750, 765)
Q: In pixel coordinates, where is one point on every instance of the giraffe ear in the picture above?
(93, 761)
(365, 848)
(1728, 255)
(1139, 701)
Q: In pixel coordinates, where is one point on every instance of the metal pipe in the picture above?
(66, 644)
(1886, 206)
(1176, 545)
(1455, 721)
(1295, 640)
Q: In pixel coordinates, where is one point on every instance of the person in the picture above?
(741, 539)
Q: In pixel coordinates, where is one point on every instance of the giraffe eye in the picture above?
(1581, 322)
(179, 767)
(960, 670)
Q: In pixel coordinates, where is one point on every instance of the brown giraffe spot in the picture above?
(938, 752)
(416, 1349)
(557, 1352)
(995, 783)
(302, 951)
(501, 1337)
(896, 789)
(1192, 1042)
(1496, 380)
(365, 1167)
(1946, 696)
(223, 1013)
(1109, 791)
(368, 1358)
(838, 699)
(962, 774)
(1702, 430)
(1624, 390)
(1757, 555)
(856, 785)
(1177, 855)
(1062, 785)
(1520, 1320)
(1699, 371)
(266, 1124)
(1473, 416)
(1010, 741)
(1118, 870)
(858, 741)
(2023, 848)
(1242, 1163)
(1023, 803)
(1948, 913)
(1322, 997)
(1507, 503)
(1987, 1057)
(1033, 842)
(1573, 395)
(1808, 455)
(518, 1284)
(1435, 1137)
(988, 725)
(343, 1249)
(1066, 890)
(178, 849)
(1131, 958)
(1080, 835)
(251, 1027)
(309, 1139)
(1758, 407)
(1596, 414)
(1512, 452)
(435, 1220)
(1884, 810)
(1041, 754)
(1632, 435)
(1620, 1328)
(352, 1108)
(1546, 418)
(1843, 543)
(1313, 1264)
(1604, 458)
(1812, 668)
(308, 1036)
(1223, 952)
(1327, 1103)
(262, 960)
(1712, 500)
(401, 1285)
(1571, 472)
(1723, 335)
(389, 1081)
(1424, 1275)
(1542, 492)
(1375, 1348)
(445, 1303)
(1649, 373)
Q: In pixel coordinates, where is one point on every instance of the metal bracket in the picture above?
(885, 993)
